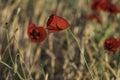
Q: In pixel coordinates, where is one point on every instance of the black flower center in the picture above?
(109, 45)
(111, 9)
(35, 34)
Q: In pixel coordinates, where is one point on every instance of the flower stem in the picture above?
(20, 76)
(6, 64)
(67, 38)
(82, 53)
(9, 47)
(43, 72)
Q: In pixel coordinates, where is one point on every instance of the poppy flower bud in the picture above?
(56, 23)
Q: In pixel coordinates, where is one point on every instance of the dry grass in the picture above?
(58, 57)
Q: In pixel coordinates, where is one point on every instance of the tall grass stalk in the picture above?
(77, 41)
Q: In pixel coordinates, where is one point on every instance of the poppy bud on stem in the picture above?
(55, 24)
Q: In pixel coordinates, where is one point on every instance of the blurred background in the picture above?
(58, 56)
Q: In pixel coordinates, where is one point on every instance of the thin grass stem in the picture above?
(9, 47)
(6, 65)
(77, 41)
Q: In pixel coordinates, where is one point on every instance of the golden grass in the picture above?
(58, 57)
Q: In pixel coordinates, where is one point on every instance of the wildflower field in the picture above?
(59, 40)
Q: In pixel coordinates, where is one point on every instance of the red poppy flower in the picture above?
(105, 5)
(98, 4)
(113, 9)
(94, 17)
(36, 34)
(56, 23)
(111, 44)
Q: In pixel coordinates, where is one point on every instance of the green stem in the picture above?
(22, 69)
(68, 41)
(20, 76)
(77, 41)
(21, 65)
(11, 56)
(6, 64)
(9, 47)
(43, 70)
